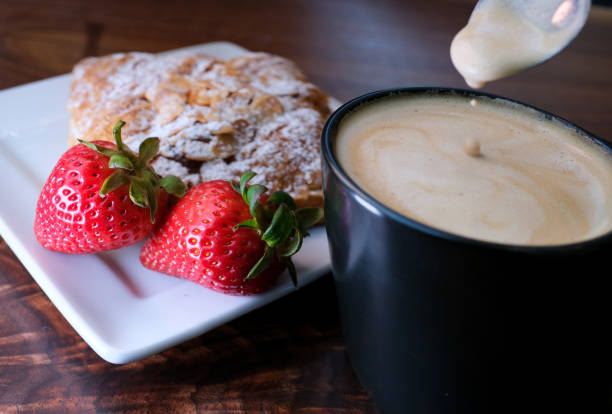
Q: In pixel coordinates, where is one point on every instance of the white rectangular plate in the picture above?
(122, 310)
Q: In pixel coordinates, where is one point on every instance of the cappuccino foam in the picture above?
(494, 171)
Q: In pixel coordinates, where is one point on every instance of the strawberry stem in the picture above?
(117, 134)
(137, 171)
(280, 224)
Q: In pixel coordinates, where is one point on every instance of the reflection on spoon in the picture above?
(504, 37)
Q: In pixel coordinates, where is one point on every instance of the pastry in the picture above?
(215, 119)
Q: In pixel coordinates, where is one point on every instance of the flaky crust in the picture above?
(215, 119)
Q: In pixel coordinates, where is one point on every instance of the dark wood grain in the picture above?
(288, 357)
(284, 358)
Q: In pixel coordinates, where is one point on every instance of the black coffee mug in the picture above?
(439, 323)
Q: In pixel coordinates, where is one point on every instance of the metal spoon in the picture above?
(504, 37)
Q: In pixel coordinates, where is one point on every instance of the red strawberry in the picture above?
(101, 197)
(221, 236)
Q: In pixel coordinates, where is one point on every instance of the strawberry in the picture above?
(101, 196)
(229, 237)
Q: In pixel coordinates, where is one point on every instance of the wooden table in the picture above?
(288, 357)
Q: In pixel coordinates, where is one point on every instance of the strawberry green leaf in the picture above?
(114, 181)
(308, 217)
(261, 264)
(292, 245)
(173, 185)
(149, 175)
(148, 149)
(138, 193)
(252, 196)
(151, 199)
(236, 187)
(292, 272)
(250, 224)
(254, 192)
(99, 148)
(119, 160)
(259, 214)
(280, 228)
(282, 197)
(244, 180)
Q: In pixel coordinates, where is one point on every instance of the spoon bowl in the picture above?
(504, 37)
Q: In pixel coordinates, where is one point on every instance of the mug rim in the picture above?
(330, 129)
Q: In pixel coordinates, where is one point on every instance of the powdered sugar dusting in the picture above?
(215, 119)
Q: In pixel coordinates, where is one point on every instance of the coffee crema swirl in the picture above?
(532, 182)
